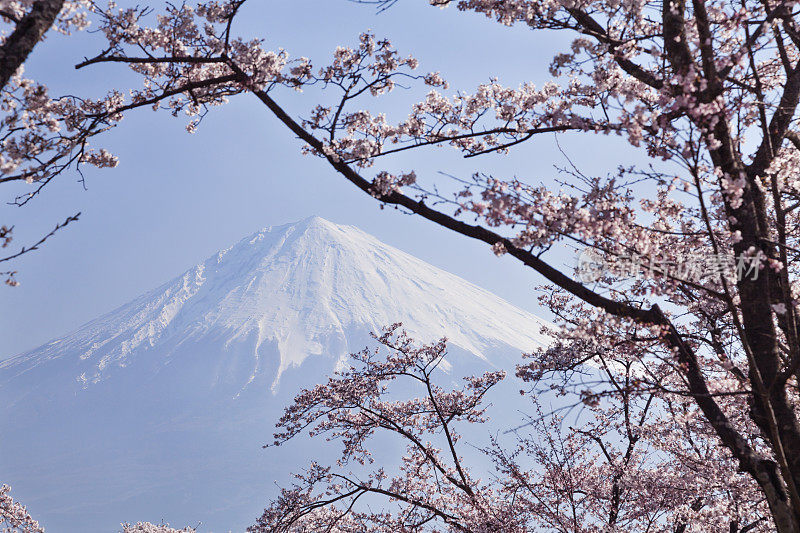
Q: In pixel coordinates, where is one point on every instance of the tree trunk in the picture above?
(26, 35)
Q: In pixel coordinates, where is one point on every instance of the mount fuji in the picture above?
(158, 409)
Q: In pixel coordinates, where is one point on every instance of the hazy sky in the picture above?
(177, 198)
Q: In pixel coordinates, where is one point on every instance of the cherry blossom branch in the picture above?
(102, 58)
(14, 517)
(352, 405)
(24, 250)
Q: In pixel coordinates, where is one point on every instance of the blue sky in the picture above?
(177, 198)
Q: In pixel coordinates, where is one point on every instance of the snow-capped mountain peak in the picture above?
(303, 289)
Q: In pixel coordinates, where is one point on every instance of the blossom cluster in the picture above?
(14, 518)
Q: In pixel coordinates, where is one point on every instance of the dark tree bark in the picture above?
(26, 35)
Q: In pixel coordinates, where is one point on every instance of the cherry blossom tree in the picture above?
(637, 462)
(683, 345)
(42, 136)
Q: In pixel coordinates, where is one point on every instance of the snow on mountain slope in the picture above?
(158, 409)
(301, 286)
